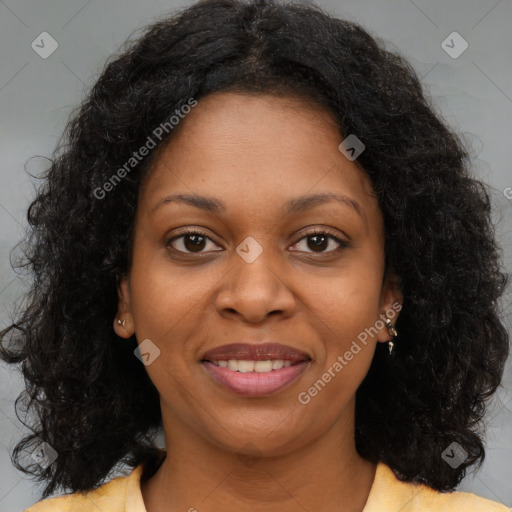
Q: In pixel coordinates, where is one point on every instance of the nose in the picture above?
(255, 290)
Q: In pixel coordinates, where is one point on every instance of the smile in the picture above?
(255, 369)
(255, 378)
(245, 366)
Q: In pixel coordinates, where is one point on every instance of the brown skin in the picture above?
(254, 153)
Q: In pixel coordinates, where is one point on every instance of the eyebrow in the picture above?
(292, 206)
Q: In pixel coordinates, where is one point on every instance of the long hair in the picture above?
(91, 399)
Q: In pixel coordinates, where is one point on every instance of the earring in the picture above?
(122, 322)
(392, 332)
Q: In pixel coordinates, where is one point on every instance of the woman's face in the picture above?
(255, 274)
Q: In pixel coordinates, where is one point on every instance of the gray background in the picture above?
(473, 92)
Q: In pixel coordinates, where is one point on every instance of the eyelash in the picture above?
(311, 232)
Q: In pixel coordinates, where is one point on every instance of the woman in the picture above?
(261, 239)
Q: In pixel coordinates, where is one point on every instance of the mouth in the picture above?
(255, 370)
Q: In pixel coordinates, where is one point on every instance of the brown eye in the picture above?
(190, 242)
(319, 242)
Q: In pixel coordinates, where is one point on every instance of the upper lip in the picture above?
(255, 352)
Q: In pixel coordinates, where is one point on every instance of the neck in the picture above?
(196, 475)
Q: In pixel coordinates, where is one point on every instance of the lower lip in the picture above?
(255, 383)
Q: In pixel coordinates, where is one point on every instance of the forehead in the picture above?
(256, 151)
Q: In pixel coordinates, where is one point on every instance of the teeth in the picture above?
(244, 366)
(263, 366)
(277, 364)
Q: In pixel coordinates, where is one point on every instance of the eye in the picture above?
(319, 241)
(195, 241)
(191, 241)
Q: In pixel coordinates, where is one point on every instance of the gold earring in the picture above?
(392, 332)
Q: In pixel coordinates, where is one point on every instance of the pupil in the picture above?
(317, 244)
(197, 242)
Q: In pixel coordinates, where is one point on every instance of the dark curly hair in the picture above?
(93, 401)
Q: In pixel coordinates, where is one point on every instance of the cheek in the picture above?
(346, 324)
(164, 299)
(349, 301)
(345, 310)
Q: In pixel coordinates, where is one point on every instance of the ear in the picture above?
(391, 303)
(126, 328)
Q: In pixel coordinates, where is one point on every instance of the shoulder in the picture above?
(388, 494)
(454, 501)
(109, 497)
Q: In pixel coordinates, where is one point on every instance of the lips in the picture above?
(255, 370)
(255, 352)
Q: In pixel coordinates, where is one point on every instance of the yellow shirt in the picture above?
(387, 494)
